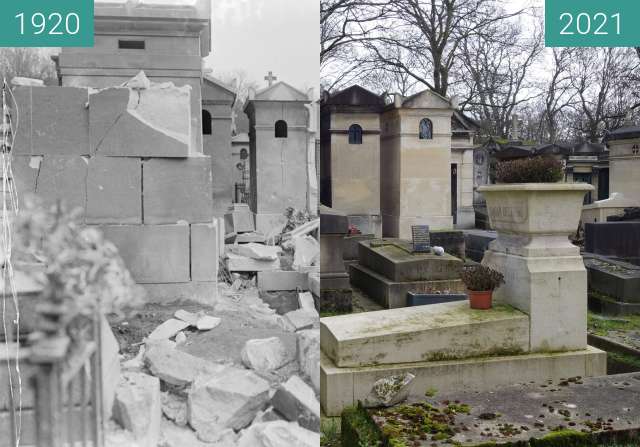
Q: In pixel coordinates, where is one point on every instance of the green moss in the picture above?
(563, 438)
(628, 360)
(602, 325)
(358, 429)
(431, 392)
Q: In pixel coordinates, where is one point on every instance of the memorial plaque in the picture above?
(421, 240)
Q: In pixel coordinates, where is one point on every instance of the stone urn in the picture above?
(544, 273)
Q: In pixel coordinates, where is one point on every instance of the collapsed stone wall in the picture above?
(123, 155)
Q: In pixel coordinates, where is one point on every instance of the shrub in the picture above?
(530, 170)
(479, 278)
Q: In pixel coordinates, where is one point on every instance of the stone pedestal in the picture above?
(544, 273)
(335, 289)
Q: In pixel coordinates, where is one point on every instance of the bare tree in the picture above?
(559, 92)
(27, 62)
(497, 72)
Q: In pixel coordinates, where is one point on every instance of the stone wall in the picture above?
(125, 158)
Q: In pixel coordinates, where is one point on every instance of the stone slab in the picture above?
(204, 252)
(140, 123)
(177, 190)
(604, 305)
(200, 292)
(153, 253)
(239, 219)
(423, 333)
(63, 178)
(342, 387)
(477, 242)
(237, 263)
(350, 250)
(619, 280)
(53, 121)
(114, 191)
(451, 240)
(619, 239)
(391, 294)
(277, 280)
(392, 259)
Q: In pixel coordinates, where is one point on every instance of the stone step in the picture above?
(392, 258)
(344, 387)
(424, 333)
(392, 294)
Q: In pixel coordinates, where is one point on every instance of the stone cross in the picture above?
(270, 78)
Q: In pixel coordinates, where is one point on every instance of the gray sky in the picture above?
(258, 36)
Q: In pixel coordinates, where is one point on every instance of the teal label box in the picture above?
(592, 23)
(46, 23)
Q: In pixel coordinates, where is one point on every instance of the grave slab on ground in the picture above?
(388, 269)
(614, 286)
(573, 411)
(423, 333)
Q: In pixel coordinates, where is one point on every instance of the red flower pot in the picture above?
(480, 300)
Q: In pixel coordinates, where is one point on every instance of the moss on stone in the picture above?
(564, 438)
(358, 429)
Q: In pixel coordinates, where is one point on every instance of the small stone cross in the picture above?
(270, 78)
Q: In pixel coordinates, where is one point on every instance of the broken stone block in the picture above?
(114, 191)
(188, 317)
(173, 435)
(59, 121)
(153, 122)
(178, 368)
(306, 302)
(389, 391)
(245, 238)
(264, 355)
(207, 323)
(181, 338)
(259, 252)
(307, 252)
(282, 280)
(168, 329)
(308, 353)
(237, 263)
(63, 178)
(278, 433)
(297, 402)
(174, 408)
(268, 415)
(177, 190)
(301, 319)
(137, 407)
(228, 400)
(204, 251)
(152, 253)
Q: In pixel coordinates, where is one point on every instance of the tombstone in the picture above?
(624, 162)
(335, 288)
(616, 239)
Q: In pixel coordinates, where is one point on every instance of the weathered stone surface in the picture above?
(59, 121)
(477, 242)
(618, 280)
(268, 415)
(168, 329)
(390, 391)
(259, 252)
(114, 191)
(181, 338)
(228, 400)
(619, 239)
(278, 433)
(153, 253)
(207, 322)
(308, 353)
(174, 407)
(204, 251)
(188, 317)
(306, 302)
(63, 178)
(342, 387)
(110, 366)
(282, 280)
(25, 172)
(435, 332)
(239, 219)
(301, 319)
(237, 263)
(137, 407)
(264, 355)
(307, 252)
(194, 291)
(297, 402)
(178, 368)
(141, 123)
(177, 190)
(392, 258)
(173, 435)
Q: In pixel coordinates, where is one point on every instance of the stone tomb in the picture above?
(335, 291)
(388, 270)
(614, 286)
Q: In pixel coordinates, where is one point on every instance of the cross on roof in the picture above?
(270, 78)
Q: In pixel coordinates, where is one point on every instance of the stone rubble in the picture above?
(168, 329)
(308, 353)
(137, 407)
(178, 368)
(174, 408)
(390, 391)
(207, 323)
(297, 402)
(265, 355)
(278, 434)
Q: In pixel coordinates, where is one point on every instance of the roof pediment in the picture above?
(215, 90)
(426, 99)
(281, 91)
(355, 96)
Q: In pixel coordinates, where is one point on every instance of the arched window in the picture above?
(355, 134)
(206, 123)
(281, 129)
(426, 129)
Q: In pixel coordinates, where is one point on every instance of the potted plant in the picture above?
(481, 281)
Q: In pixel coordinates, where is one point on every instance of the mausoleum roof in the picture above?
(624, 133)
(355, 96)
(280, 91)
